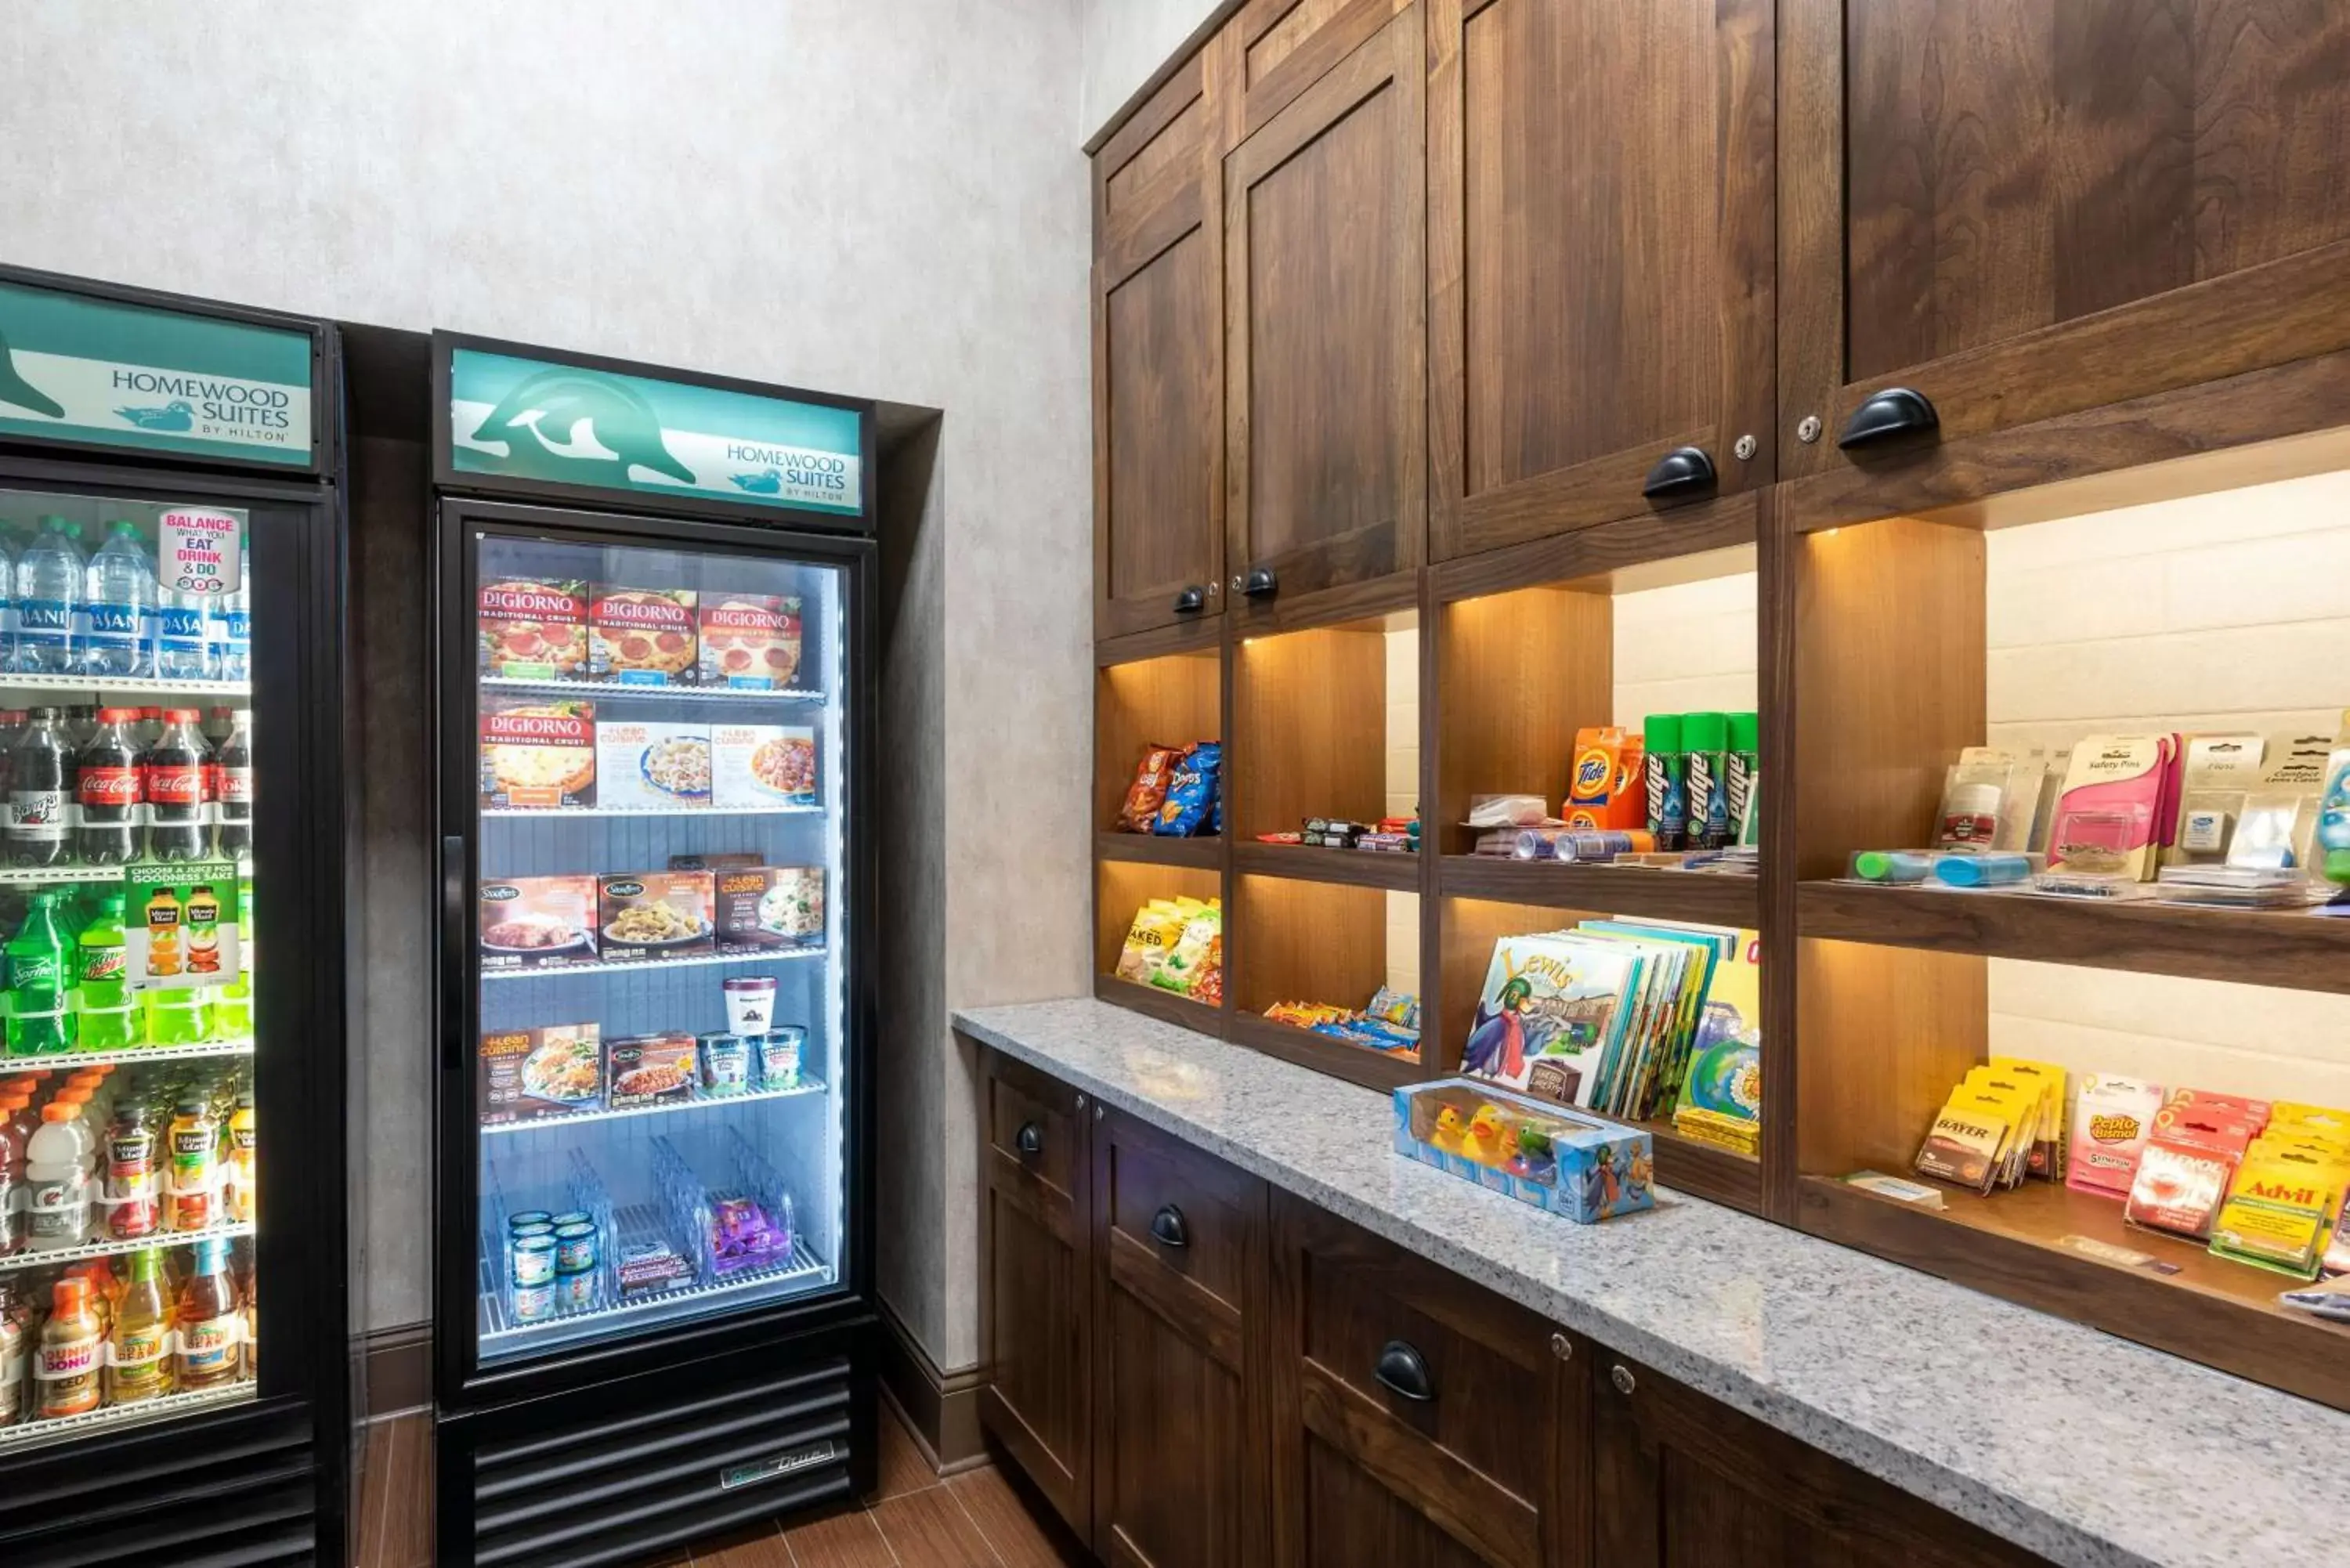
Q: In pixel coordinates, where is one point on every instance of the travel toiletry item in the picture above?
(2110, 1125)
(2216, 773)
(1706, 737)
(1899, 1188)
(2333, 820)
(1667, 778)
(1509, 811)
(1993, 870)
(1895, 866)
(1603, 786)
(1976, 793)
(2110, 820)
(1743, 768)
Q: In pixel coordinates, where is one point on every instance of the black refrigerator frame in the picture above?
(599, 1398)
(265, 1481)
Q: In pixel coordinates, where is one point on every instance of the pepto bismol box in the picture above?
(642, 637)
(546, 1072)
(750, 640)
(538, 753)
(534, 630)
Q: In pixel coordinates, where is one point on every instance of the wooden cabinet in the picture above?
(1158, 433)
(1416, 1418)
(1036, 1272)
(1178, 1463)
(1325, 347)
(1681, 1482)
(1600, 234)
(2023, 209)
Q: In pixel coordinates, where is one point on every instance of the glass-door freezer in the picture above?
(652, 950)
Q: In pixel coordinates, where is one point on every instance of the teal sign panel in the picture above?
(536, 420)
(77, 367)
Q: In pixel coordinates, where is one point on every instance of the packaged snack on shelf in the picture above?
(643, 763)
(1190, 793)
(649, 1070)
(1158, 927)
(1604, 788)
(1389, 842)
(654, 914)
(537, 922)
(539, 755)
(1149, 791)
(648, 1264)
(769, 907)
(642, 637)
(782, 1053)
(754, 766)
(1559, 1160)
(1281, 838)
(1332, 832)
(1194, 965)
(1398, 1007)
(749, 641)
(534, 629)
(550, 1070)
(2111, 818)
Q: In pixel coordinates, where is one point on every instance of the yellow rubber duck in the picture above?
(1446, 1133)
(1489, 1138)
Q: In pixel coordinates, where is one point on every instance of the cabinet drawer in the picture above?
(1166, 1208)
(1033, 1122)
(1285, 45)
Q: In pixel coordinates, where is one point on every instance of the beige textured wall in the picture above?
(1125, 41)
(881, 198)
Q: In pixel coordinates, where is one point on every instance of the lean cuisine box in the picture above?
(549, 1072)
(770, 906)
(1564, 1160)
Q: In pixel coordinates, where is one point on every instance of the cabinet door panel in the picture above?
(1285, 46)
(1324, 221)
(2023, 209)
(1173, 1492)
(1351, 1520)
(1600, 267)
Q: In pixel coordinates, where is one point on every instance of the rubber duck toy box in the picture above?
(1558, 1160)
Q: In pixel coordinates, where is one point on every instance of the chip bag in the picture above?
(1158, 927)
(1198, 949)
(1191, 792)
(1149, 787)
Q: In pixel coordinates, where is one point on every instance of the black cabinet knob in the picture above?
(1889, 416)
(1192, 600)
(1029, 1139)
(1403, 1372)
(1259, 583)
(1167, 1227)
(1681, 474)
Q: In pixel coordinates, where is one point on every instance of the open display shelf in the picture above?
(1354, 867)
(806, 1088)
(1721, 898)
(50, 1257)
(100, 686)
(617, 690)
(499, 1331)
(703, 961)
(1204, 854)
(128, 1054)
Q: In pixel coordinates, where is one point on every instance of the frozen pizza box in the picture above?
(771, 907)
(649, 1070)
(538, 754)
(753, 765)
(551, 1071)
(750, 640)
(654, 915)
(642, 637)
(643, 763)
(534, 629)
(537, 922)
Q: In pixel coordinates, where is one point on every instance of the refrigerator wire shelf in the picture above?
(49, 1257)
(497, 1331)
(65, 876)
(33, 1434)
(674, 1107)
(628, 689)
(742, 955)
(129, 1055)
(495, 812)
(107, 685)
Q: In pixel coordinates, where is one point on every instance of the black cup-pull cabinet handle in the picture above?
(1167, 1227)
(1029, 1139)
(1681, 474)
(1192, 600)
(1403, 1372)
(1891, 415)
(1259, 583)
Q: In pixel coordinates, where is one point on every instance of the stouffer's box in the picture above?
(537, 922)
(1563, 1160)
(654, 915)
(649, 1070)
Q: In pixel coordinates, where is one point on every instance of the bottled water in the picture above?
(119, 598)
(229, 631)
(48, 601)
(184, 648)
(8, 598)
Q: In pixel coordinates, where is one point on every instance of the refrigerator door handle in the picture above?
(453, 952)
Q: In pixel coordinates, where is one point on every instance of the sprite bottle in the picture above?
(38, 1023)
(103, 970)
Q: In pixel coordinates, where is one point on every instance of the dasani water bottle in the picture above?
(48, 601)
(120, 600)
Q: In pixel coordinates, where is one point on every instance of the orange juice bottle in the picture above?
(164, 930)
(203, 925)
(243, 1151)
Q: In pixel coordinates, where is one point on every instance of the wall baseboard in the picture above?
(399, 1369)
(940, 1408)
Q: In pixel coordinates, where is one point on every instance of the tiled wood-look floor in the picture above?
(916, 1520)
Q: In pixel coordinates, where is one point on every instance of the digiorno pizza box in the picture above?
(642, 637)
(538, 754)
(750, 640)
(534, 629)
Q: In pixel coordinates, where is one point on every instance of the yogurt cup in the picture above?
(750, 1003)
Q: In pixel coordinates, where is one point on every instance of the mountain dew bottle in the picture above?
(108, 1014)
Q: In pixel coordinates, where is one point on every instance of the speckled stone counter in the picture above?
(2088, 1450)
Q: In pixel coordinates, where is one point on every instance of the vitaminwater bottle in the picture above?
(106, 1017)
(38, 1023)
(210, 1326)
(66, 1369)
(139, 1347)
(48, 601)
(244, 1172)
(119, 599)
(193, 1139)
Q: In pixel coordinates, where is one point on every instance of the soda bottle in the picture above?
(38, 1022)
(48, 601)
(35, 829)
(132, 1204)
(141, 1340)
(106, 788)
(232, 622)
(12, 1176)
(184, 648)
(177, 813)
(194, 1141)
(67, 1365)
(56, 1173)
(119, 599)
(209, 1325)
(11, 726)
(232, 786)
(244, 1152)
(107, 1017)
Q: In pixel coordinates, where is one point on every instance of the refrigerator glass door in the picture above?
(129, 1144)
(658, 936)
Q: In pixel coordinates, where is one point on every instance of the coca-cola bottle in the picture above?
(36, 829)
(178, 825)
(107, 787)
(232, 786)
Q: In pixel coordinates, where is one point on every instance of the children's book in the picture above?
(1554, 1014)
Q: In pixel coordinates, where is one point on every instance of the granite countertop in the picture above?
(2087, 1449)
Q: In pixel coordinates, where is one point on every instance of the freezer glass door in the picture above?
(658, 936)
(130, 1145)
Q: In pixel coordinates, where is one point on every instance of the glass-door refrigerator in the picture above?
(654, 1316)
(173, 1248)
